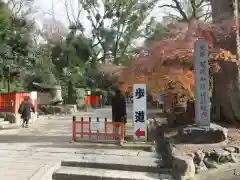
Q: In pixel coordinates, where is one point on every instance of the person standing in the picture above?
(25, 110)
(119, 113)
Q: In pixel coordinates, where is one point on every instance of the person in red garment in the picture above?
(25, 109)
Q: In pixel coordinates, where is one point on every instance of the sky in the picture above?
(44, 9)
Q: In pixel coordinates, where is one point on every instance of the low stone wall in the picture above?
(185, 166)
(189, 159)
(58, 109)
(16, 118)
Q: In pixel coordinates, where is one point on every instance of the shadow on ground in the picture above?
(47, 139)
(65, 142)
(33, 139)
(96, 145)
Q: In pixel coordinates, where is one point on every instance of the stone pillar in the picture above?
(202, 96)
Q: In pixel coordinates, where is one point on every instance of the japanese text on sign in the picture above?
(202, 83)
(97, 126)
(139, 116)
(139, 93)
(139, 110)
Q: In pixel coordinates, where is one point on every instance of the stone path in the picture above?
(20, 157)
(35, 153)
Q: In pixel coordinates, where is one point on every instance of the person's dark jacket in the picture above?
(25, 109)
(119, 108)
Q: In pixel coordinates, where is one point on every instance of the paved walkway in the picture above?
(34, 153)
(29, 153)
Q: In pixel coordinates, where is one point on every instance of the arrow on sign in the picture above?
(139, 133)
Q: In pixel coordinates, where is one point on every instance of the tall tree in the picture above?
(156, 31)
(115, 25)
(16, 45)
(75, 12)
(21, 8)
(179, 14)
(186, 10)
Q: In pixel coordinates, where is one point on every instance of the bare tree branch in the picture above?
(168, 5)
(195, 7)
(20, 7)
(80, 9)
(67, 12)
(121, 30)
(205, 4)
(174, 17)
(96, 25)
(206, 16)
(72, 16)
(200, 3)
(48, 12)
(180, 10)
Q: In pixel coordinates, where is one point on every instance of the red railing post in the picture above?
(97, 128)
(89, 127)
(74, 128)
(105, 127)
(119, 134)
(82, 127)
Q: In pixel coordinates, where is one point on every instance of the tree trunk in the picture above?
(70, 93)
(226, 93)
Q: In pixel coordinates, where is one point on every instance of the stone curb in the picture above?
(143, 147)
(75, 173)
(113, 166)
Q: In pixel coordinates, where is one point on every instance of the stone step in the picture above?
(77, 173)
(128, 164)
(116, 160)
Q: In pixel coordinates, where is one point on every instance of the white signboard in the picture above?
(161, 99)
(139, 111)
(97, 126)
(202, 106)
(33, 95)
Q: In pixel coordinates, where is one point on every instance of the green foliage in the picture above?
(115, 30)
(18, 51)
(156, 31)
(5, 17)
(188, 64)
(71, 58)
(71, 61)
(187, 10)
(13, 87)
